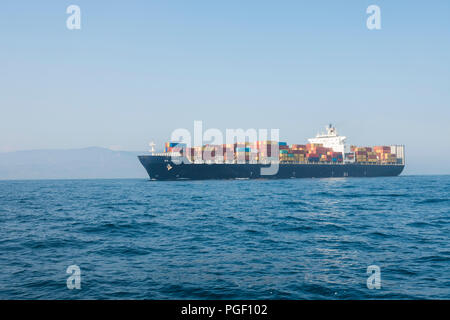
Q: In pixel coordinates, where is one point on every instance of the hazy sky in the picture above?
(137, 70)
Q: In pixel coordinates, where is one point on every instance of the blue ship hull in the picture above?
(164, 168)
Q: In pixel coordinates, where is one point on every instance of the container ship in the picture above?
(324, 156)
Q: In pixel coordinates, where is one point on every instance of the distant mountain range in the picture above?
(86, 163)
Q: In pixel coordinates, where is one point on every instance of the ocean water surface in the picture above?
(246, 239)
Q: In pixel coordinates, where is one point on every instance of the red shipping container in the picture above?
(320, 150)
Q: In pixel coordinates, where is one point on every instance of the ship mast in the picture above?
(331, 131)
(152, 147)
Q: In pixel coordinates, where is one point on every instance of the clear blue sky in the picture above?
(137, 70)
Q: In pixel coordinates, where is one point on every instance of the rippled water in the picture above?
(284, 239)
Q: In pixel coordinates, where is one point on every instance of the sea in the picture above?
(339, 238)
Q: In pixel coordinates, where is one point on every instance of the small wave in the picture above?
(299, 228)
(366, 208)
(297, 219)
(148, 224)
(107, 227)
(317, 290)
(371, 195)
(42, 283)
(114, 208)
(432, 200)
(406, 272)
(50, 243)
(325, 193)
(378, 234)
(281, 194)
(333, 227)
(433, 258)
(418, 224)
(394, 195)
(301, 210)
(124, 250)
(295, 203)
(255, 232)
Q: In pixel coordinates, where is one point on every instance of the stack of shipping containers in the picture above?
(361, 153)
(174, 147)
(300, 152)
(267, 150)
(244, 152)
(384, 154)
(378, 154)
(297, 153)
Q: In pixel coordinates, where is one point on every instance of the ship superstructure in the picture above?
(330, 139)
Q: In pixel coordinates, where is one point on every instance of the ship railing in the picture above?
(166, 154)
(341, 163)
(198, 161)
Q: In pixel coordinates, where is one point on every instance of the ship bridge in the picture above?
(330, 139)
